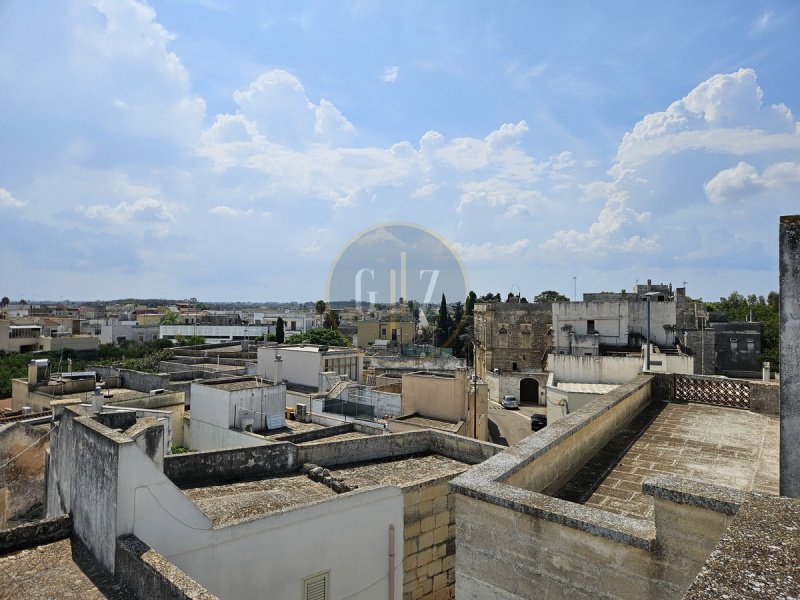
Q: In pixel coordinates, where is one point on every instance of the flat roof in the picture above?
(50, 570)
(232, 503)
(232, 386)
(430, 423)
(245, 501)
(586, 388)
(727, 446)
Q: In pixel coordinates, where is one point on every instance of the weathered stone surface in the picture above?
(35, 534)
(757, 557)
(789, 263)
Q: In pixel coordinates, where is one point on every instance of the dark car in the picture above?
(538, 422)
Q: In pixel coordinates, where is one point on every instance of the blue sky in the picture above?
(229, 150)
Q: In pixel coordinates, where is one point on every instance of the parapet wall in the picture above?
(562, 549)
(228, 465)
(149, 575)
(35, 534)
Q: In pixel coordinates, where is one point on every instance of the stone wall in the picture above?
(35, 534)
(236, 463)
(149, 575)
(511, 336)
(429, 554)
(765, 397)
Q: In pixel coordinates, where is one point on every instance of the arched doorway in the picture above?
(529, 391)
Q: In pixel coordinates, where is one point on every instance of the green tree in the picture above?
(550, 296)
(171, 318)
(280, 336)
(320, 335)
(444, 325)
(5, 301)
(331, 320)
(457, 326)
(320, 307)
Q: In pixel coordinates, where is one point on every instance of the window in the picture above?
(317, 587)
(734, 344)
(294, 326)
(751, 345)
(590, 326)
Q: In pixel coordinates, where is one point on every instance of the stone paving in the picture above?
(723, 446)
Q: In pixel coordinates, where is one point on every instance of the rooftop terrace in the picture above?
(247, 500)
(724, 446)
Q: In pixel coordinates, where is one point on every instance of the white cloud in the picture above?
(143, 210)
(762, 22)
(277, 105)
(669, 162)
(724, 113)
(744, 181)
(228, 211)
(390, 74)
(489, 250)
(7, 200)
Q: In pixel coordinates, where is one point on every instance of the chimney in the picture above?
(97, 400)
(277, 373)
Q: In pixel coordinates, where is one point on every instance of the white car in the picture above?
(509, 402)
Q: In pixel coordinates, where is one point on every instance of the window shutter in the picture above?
(316, 587)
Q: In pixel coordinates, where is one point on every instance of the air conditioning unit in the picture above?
(247, 423)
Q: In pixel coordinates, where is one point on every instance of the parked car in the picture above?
(509, 402)
(538, 422)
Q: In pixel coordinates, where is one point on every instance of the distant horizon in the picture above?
(236, 149)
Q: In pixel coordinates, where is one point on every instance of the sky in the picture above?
(229, 150)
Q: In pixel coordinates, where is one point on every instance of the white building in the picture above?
(225, 411)
(304, 364)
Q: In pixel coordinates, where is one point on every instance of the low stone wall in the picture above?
(237, 463)
(35, 534)
(765, 398)
(316, 434)
(149, 575)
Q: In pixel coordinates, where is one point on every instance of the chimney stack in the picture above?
(277, 374)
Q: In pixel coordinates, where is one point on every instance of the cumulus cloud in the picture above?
(7, 200)
(229, 211)
(723, 113)
(669, 162)
(277, 105)
(390, 74)
(744, 181)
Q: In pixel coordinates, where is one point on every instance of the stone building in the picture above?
(511, 336)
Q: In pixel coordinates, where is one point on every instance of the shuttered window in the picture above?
(317, 587)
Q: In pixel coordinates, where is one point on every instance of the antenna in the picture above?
(575, 287)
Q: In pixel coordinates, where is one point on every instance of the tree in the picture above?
(331, 320)
(5, 301)
(279, 334)
(550, 296)
(322, 336)
(320, 307)
(455, 333)
(171, 318)
(444, 325)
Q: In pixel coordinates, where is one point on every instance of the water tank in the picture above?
(300, 412)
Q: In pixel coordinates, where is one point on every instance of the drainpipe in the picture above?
(391, 562)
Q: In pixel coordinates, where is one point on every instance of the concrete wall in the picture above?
(765, 397)
(198, 435)
(560, 401)
(594, 369)
(197, 468)
(508, 384)
(789, 263)
(34, 534)
(298, 366)
(149, 575)
(250, 559)
(530, 556)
